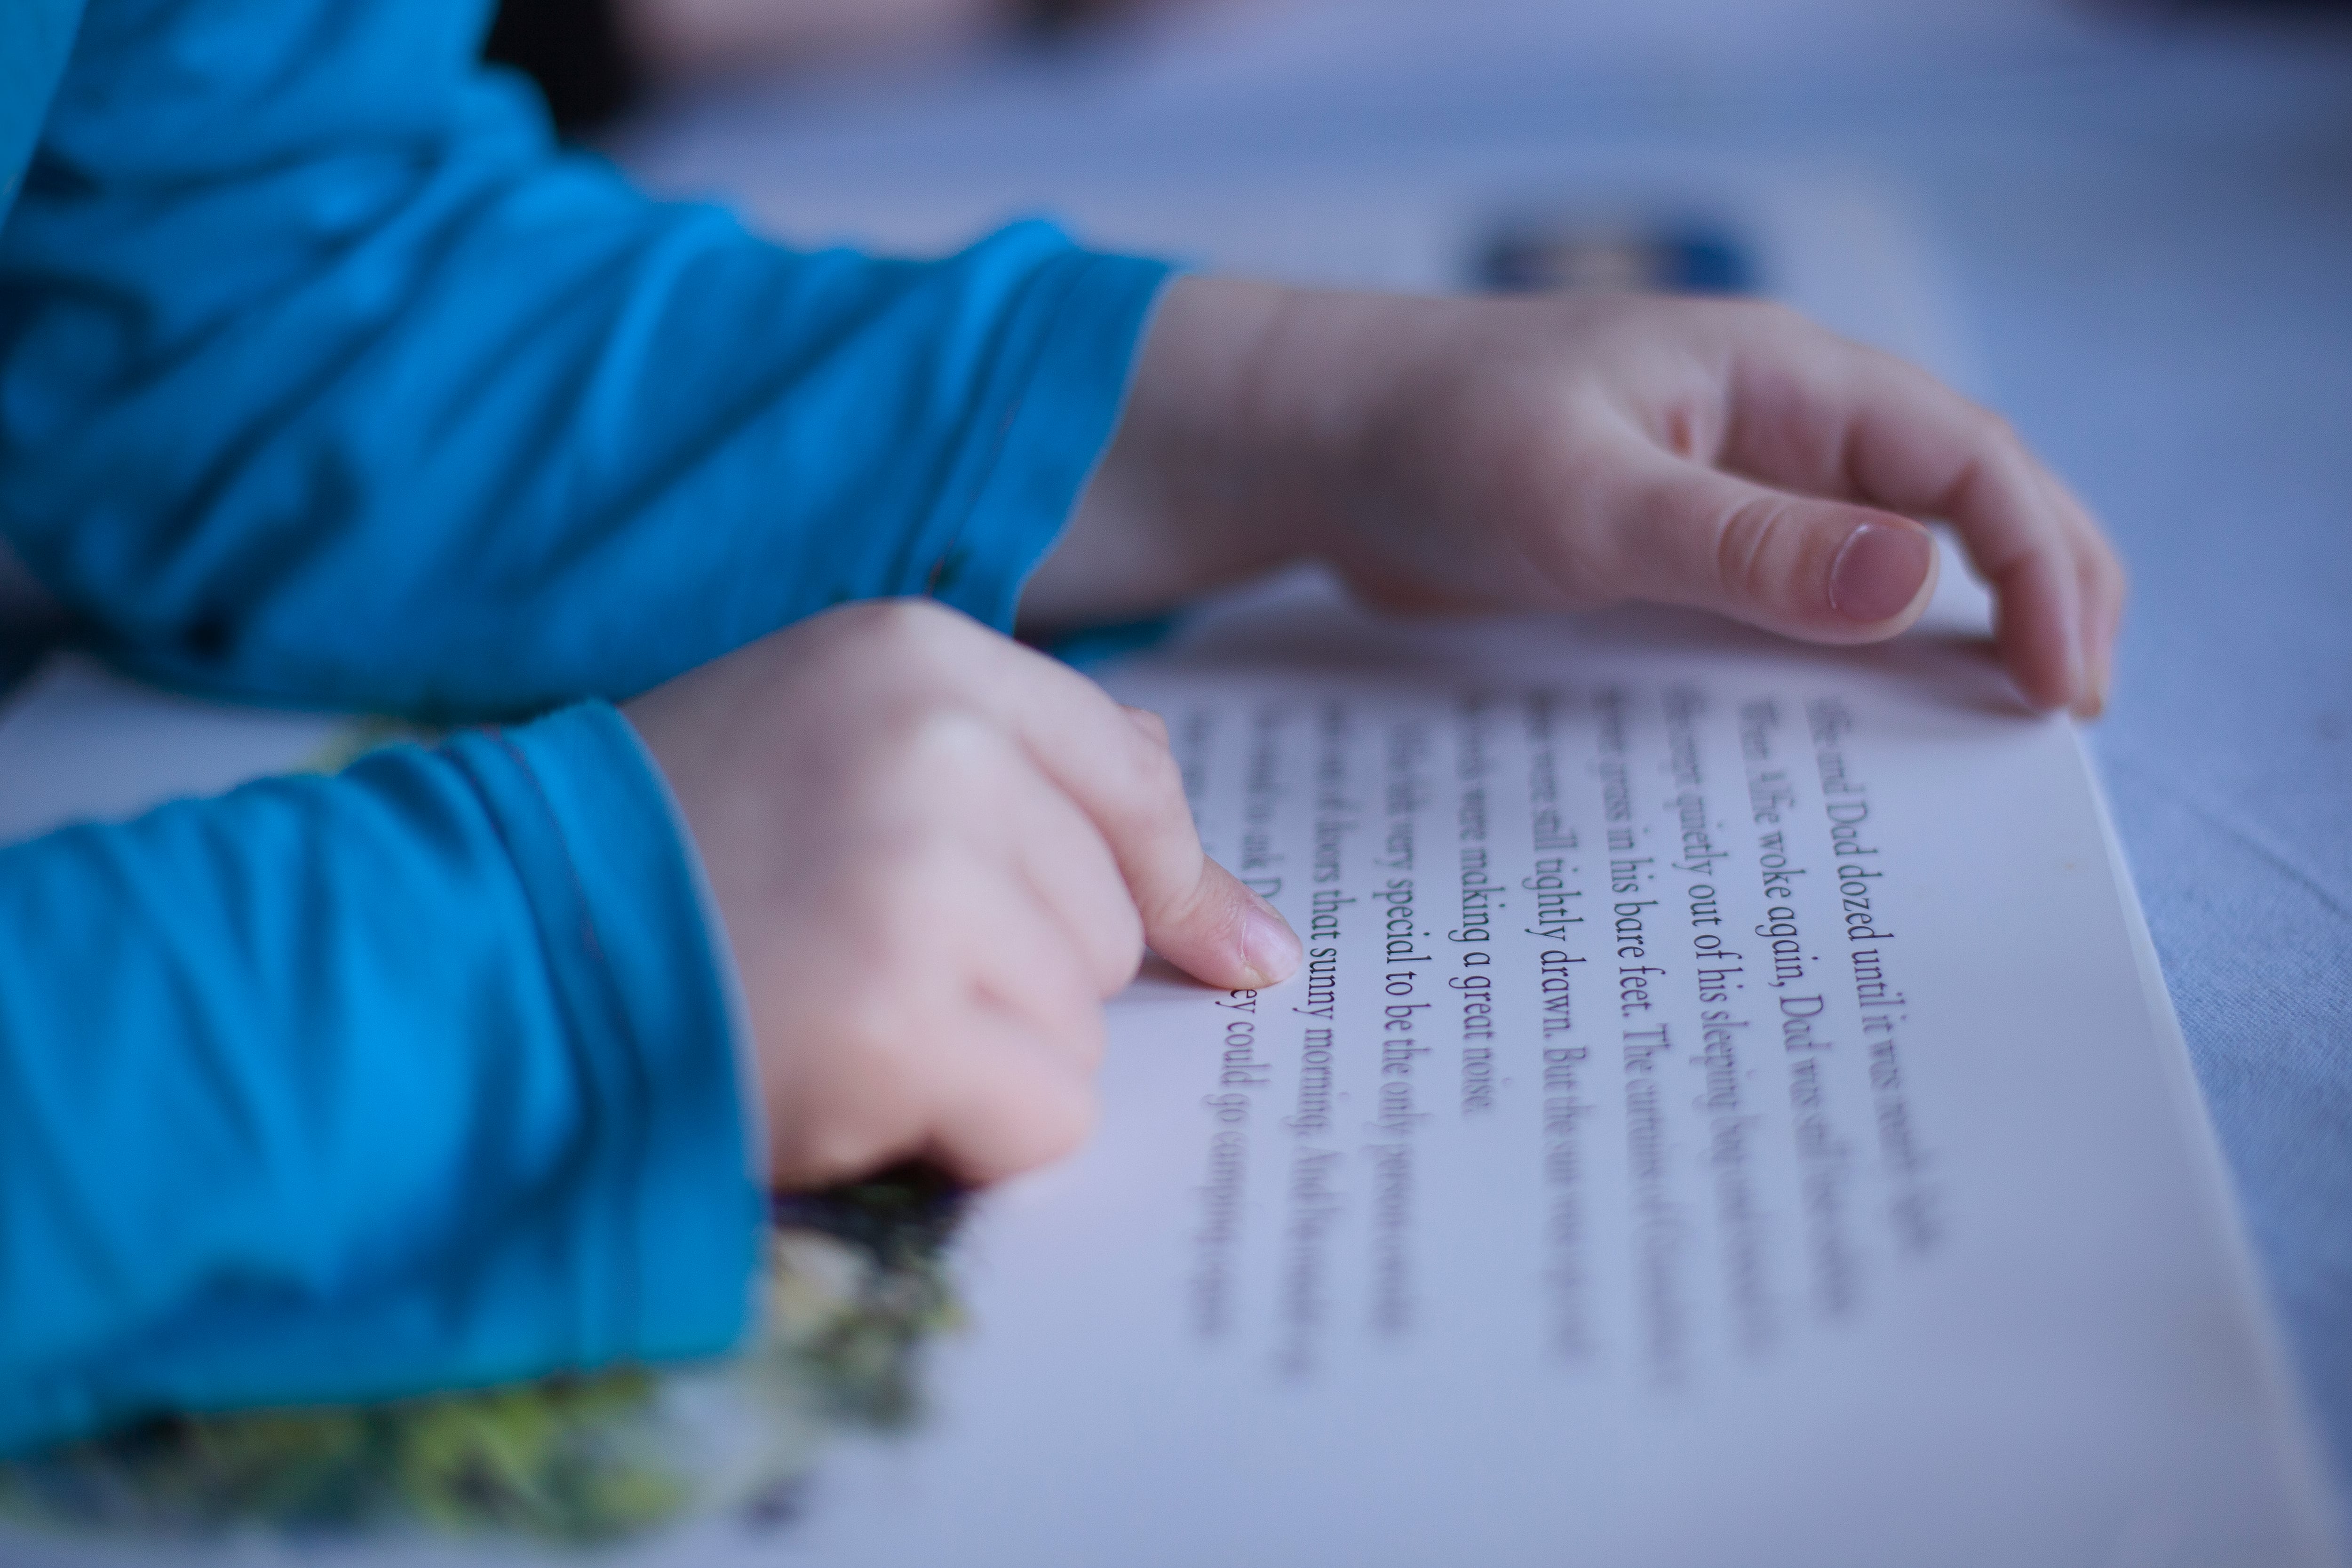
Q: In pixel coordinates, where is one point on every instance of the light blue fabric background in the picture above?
(2155, 252)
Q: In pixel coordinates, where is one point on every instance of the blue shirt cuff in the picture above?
(1071, 336)
(623, 915)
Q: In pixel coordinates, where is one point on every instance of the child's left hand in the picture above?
(1541, 452)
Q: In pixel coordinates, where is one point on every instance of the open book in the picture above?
(1730, 1113)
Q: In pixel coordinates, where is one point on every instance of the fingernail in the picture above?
(1268, 944)
(1878, 571)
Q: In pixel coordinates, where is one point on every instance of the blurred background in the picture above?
(2127, 227)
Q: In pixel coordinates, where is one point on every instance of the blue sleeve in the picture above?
(338, 1088)
(324, 376)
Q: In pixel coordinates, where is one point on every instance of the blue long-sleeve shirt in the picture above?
(324, 377)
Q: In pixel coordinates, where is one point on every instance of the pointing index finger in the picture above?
(1119, 770)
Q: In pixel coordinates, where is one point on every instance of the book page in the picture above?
(1728, 1113)
(1724, 1116)
(81, 744)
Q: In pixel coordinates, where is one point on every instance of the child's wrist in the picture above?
(1181, 502)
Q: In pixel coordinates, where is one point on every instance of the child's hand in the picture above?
(1572, 451)
(935, 853)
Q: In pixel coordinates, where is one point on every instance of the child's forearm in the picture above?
(1191, 493)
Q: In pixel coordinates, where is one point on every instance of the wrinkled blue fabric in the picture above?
(325, 378)
(339, 1088)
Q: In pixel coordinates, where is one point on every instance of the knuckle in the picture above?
(1152, 724)
(2104, 567)
(948, 751)
(1150, 790)
(913, 616)
(870, 1024)
(1157, 778)
(1772, 314)
(1992, 432)
(1754, 321)
(1744, 538)
(912, 630)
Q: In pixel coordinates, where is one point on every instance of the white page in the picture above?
(1929, 1261)
(79, 744)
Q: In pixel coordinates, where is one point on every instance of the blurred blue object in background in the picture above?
(1569, 253)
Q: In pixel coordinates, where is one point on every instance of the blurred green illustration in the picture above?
(856, 1283)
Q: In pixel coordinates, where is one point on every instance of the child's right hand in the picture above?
(935, 853)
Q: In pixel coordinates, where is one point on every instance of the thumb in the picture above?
(1821, 570)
